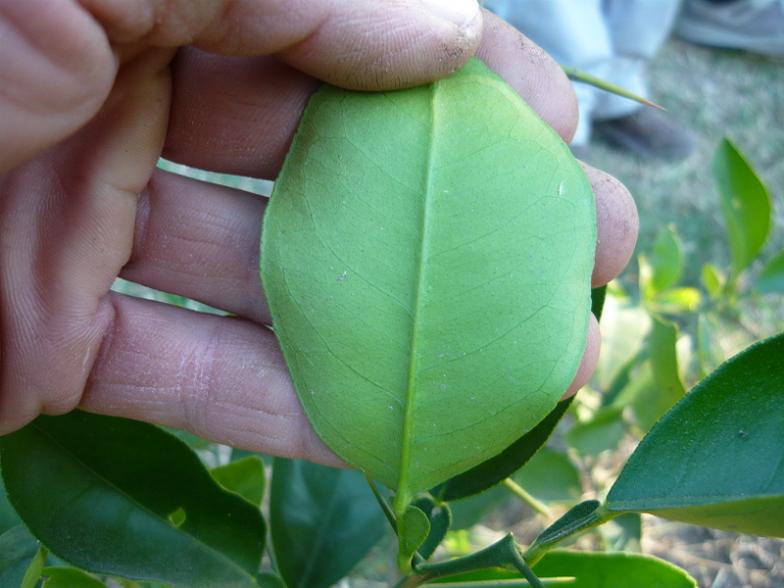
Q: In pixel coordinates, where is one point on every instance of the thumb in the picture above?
(381, 45)
(358, 44)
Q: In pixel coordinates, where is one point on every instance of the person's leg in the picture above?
(753, 25)
(638, 29)
(574, 33)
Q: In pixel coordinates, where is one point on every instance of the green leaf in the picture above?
(550, 476)
(713, 280)
(467, 512)
(717, 458)
(63, 577)
(427, 263)
(117, 483)
(598, 298)
(580, 517)
(33, 573)
(745, 203)
(244, 477)
(623, 334)
(655, 385)
(677, 300)
(323, 522)
(491, 472)
(603, 432)
(493, 578)
(617, 394)
(269, 580)
(771, 279)
(667, 386)
(8, 516)
(21, 558)
(504, 554)
(613, 570)
(580, 569)
(667, 259)
(623, 533)
(440, 519)
(413, 529)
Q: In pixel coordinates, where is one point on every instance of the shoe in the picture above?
(647, 133)
(751, 25)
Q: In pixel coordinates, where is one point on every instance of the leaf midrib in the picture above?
(403, 493)
(91, 471)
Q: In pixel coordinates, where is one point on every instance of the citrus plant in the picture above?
(404, 297)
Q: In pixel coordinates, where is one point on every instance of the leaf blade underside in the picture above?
(428, 312)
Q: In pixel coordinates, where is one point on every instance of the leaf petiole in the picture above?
(385, 508)
(521, 493)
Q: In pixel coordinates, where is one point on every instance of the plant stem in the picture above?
(522, 494)
(527, 572)
(386, 509)
(503, 554)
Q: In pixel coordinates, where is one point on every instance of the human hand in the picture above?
(95, 91)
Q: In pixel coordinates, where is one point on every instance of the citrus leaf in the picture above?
(440, 519)
(550, 476)
(676, 300)
(713, 280)
(623, 533)
(717, 458)
(496, 469)
(118, 482)
(33, 574)
(468, 511)
(613, 570)
(64, 577)
(623, 333)
(667, 259)
(604, 431)
(413, 529)
(745, 204)
(580, 569)
(771, 278)
(21, 558)
(270, 580)
(323, 522)
(8, 516)
(244, 476)
(427, 262)
(577, 519)
(489, 473)
(668, 387)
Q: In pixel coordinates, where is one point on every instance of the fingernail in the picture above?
(460, 12)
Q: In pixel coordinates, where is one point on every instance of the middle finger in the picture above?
(201, 240)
